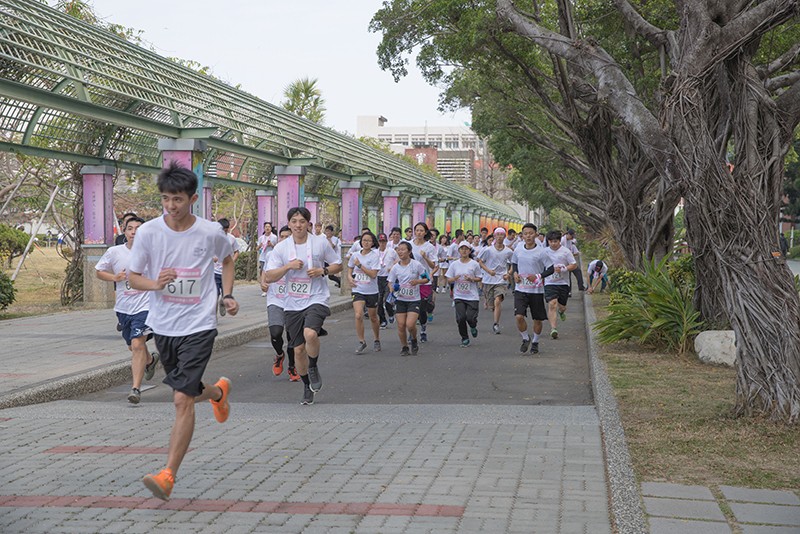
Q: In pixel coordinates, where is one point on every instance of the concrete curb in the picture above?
(626, 500)
(119, 372)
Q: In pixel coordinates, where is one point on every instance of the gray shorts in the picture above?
(296, 321)
(275, 315)
(493, 291)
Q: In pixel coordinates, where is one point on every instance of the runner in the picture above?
(276, 297)
(598, 274)
(178, 248)
(388, 258)
(465, 273)
(301, 259)
(444, 262)
(131, 307)
(406, 277)
(266, 242)
(363, 268)
(530, 265)
(434, 240)
(226, 225)
(425, 254)
(569, 242)
(336, 244)
(556, 287)
(394, 237)
(496, 261)
(512, 240)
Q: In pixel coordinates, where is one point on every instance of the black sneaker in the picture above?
(474, 331)
(134, 396)
(150, 368)
(308, 396)
(119, 327)
(383, 325)
(423, 337)
(404, 351)
(315, 379)
(322, 332)
(376, 346)
(526, 343)
(535, 347)
(414, 346)
(362, 346)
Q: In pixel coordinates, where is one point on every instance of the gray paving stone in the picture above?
(733, 493)
(665, 507)
(676, 491)
(770, 514)
(768, 529)
(664, 525)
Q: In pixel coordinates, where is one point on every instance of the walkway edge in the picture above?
(626, 500)
(117, 373)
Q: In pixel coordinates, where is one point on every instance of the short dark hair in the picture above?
(511, 230)
(225, 223)
(301, 210)
(128, 215)
(284, 228)
(435, 230)
(133, 219)
(529, 225)
(459, 232)
(484, 229)
(599, 265)
(553, 235)
(330, 227)
(408, 229)
(396, 229)
(177, 179)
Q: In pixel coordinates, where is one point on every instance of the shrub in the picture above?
(7, 291)
(793, 252)
(12, 243)
(247, 265)
(651, 309)
(681, 271)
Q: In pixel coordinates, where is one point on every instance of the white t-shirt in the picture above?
(234, 247)
(511, 243)
(530, 261)
(570, 244)
(592, 272)
(388, 257)
(189, 304)
(276, 292)
(403, 274)
(429, 251)
(267, 241)
(365, 284)
(561, 257)
(497, 261)
(452, 252)
(129, 301)
(464, 289)
(337, 244)
(301, 290)
(354, 249)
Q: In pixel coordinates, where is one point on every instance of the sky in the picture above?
(265, 45)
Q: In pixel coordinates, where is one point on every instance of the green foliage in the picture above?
(794, 252)
(651, 309)
(12, 243)
(7, 291)
(681, 271)
(304, 98)
(247, 265)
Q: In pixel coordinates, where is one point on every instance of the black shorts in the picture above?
(557, 291)
(370, 300)
(184, 359)
(534, 301)
(296, 321)
(404, 306)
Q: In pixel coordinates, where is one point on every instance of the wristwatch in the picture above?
(325, 271)
(228, 296)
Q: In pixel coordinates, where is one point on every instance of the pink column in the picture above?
(418, 210)
(312, 205)
(290, 191)
(391, 210)
(266, 208)
(351, 210)
(98, 204)
(188, 153)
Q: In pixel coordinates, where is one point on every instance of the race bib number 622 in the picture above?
(299, 288)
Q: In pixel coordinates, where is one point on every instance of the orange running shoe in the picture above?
(161, 484)
(221, 407)
(277, 366)
(293, 376)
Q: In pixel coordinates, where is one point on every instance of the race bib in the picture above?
(407, 291)
(129, 291)
(280, 290)
(299, 288)
(537, 282)
(462, 289)
(185, 289)
(361, 278)
(558, 276)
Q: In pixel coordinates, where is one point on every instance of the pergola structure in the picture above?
(72, 91)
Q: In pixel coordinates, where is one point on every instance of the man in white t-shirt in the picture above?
(512, 240)
(336, 244)
(531, 266)
(598, 274)
(305, 260)
(176, 251)
(226, 226)
(495, 260)
(556, 286)
(131, 307)
(570, 243)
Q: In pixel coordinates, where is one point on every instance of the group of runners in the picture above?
(167, 288)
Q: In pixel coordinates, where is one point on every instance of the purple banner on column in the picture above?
(207, 202)
(265, 211)
(351, 213)
(313, 207)
(181, 157)
(417, 212)
(391, 213)
(288, 196)
(98, 212)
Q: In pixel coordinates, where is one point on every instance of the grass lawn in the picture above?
(677, 415)
(38, 284)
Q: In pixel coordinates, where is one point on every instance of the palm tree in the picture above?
(304, 98)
